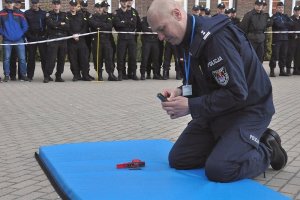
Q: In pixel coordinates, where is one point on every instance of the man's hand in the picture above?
(76, 37)
(176, 106)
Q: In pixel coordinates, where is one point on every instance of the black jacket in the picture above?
(101, 22)
(37, 24)
(57, 24)
(125, 22)
(281, 22)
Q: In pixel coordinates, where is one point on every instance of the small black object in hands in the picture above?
(162, 97)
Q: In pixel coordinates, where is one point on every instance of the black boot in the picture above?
(134, 76)
(178, 76)
(148, 75)
(100, 77)
(282, 72)
(59, 79)
(272, 72)
(288, 71)
(166, 74)
(273, 142)
(111, 77)
(143, 76)
(120, 76)
(157, 76)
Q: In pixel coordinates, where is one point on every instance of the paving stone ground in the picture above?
(34, 114)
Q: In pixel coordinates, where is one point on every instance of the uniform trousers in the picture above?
(78, 57)
(150, 53)
(279, 53)
(294, 54)
(56, 50)
(123, 46)
(228, 153)
(259, 48)
(105, 53)
(31, 56)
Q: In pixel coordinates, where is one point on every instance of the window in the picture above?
(205, 3)
(228, 3)
(25, 5)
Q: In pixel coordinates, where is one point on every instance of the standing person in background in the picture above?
(235, 20)
(88, 38)
(57, 27)
(126, 21)
(294, 44)
(77, 48)
(195, 10)
(170, 51)
(13, 27)
(102, 48)
(150, 51)
(254, 24)
(36, 18)
(134, 12)
(202, 10)
(221, 8)
(14, 57)
(207, 12)
(281, 22)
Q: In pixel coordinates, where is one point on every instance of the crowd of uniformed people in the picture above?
(36, 24)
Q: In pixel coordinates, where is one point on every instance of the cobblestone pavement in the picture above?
(35, 114)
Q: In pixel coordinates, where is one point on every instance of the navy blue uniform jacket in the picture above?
(229, 83)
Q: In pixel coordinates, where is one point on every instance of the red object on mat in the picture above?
(134, 164)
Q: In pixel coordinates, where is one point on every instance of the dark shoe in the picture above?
(272, 73)
(120, 77)
(178, 76)
(282, 72)
(134, 77)
(13, 78)
(124, 76)
(288, 72)
(130, 76)
(157, 77)
(143, 77)
(6, 78)
(50, 79)
(295, 72)
(59, 79)
(75, 78)
(273, 142)
(165, 75)
(46, 80)
(86, 78)
(111, 77)
(91, 77)
(148, 76)
(24, 78)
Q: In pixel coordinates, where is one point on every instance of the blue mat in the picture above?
(88, 171)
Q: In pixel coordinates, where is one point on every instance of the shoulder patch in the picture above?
(221, 76)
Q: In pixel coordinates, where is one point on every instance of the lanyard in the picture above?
(187, 64)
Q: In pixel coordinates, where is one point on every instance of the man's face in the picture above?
(221, 10)
(73, 8)
(258, 7)
(297, 13)
(98, 10)
(169, 29)
(280, 9)
(196, 12)
(105, 9)
(123, 4)
(129, 3)
(56, 7)
(18, 5)
(35, 6)
(9, 5)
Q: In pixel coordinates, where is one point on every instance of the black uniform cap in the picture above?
(264, 3)
(202, 8)
(97, 5)
(207, 11)
(227, 11)
(232, 10)
(259, 2)
(280, 4)
(55, 1)
(84, 3)
(9, 1)
(73, 2)
(221, 5)
(35, 1)
(104, 4)
(296, 8)
(18, 1)
(195, 8)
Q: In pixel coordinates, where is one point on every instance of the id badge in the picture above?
(187, 90)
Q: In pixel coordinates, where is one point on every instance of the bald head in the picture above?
(168, 19)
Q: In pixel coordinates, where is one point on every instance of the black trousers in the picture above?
(31, 56)
(124, 46)
(259, 48)
(13, 64)
(293, 54)
(56, 51)
(226, 152)
(279, 53)
(78, 57)
(105, 52)
(169, 52)
(150, 53)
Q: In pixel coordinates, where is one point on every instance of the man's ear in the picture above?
(177, 14)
